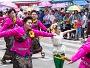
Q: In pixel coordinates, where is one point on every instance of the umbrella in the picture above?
(59, 5)
(74, 7)
(87, 5)
(9, 4)
(30, 9)
(80, 7)
(43, 4)
(3, 8)
(24, 7)
(36, 7)
(17, 9)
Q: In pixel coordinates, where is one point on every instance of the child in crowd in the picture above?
(78, 24)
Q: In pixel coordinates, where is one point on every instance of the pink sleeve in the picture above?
(42, 33)
(18, 21)
(41, 25)
(2, 18)
(10, 32)
(81, 53)
(5, 25)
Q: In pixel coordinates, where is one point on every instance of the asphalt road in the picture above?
(47, 62)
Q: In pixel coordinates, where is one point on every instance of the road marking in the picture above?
(2, 53)
(64, 43)
(51, 45)
(3, 46)
(47, 58)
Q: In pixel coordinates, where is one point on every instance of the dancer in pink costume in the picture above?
(83, 54)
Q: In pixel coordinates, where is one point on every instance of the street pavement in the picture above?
(47, 62)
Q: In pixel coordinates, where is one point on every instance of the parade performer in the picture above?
(83, 54)
(23, 41)
(9, 22)
(58, 46)
(37, 25)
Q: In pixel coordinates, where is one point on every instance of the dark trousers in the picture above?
(48, 25)
(68, 27)
(82, 33)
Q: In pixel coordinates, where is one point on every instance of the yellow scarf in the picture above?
(34, 20)
(14, 19)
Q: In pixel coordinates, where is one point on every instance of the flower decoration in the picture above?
(52, 30)
(14, 19)
(35, 20)
(31, 33)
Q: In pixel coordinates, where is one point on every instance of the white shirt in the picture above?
(57, 43)
(52, 18)
(20, 15)
(84, 18)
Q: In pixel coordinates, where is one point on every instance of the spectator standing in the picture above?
(84, 19)
(52, 16)
(20, 14)
(46, 19)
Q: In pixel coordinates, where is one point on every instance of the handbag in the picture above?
(35, 48)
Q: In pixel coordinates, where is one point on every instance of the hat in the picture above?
(82, 11)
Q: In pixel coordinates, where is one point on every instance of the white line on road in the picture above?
(67, 49)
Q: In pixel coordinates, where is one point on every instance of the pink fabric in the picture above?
(8, 22)
(17, 33)
(2, 19)
(83, 50)
(79, 24)
(39, 25)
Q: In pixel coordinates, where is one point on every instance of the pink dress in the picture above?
(83, 50)
(17, 33)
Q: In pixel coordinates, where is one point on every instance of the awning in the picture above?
(82, 2)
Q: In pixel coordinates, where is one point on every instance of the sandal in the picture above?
(43, 54)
